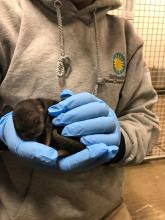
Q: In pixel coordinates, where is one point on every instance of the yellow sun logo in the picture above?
(118, 63)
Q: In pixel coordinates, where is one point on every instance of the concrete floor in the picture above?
(144, 190)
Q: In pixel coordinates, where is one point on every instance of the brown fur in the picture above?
(32, 122)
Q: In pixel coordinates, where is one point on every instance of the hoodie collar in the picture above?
(70, 12)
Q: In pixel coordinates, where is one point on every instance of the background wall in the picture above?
(149, 20)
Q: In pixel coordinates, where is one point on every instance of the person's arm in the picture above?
(2, 61)
(10, 20)
(6, 109)
(139, 125)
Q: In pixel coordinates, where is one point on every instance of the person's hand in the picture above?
(85, 116)
(33, 151)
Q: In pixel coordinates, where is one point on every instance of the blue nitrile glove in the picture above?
(86, 116)
(36, 152)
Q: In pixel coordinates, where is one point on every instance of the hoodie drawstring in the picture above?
(99, 79)
(64, 62)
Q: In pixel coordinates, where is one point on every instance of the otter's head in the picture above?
(29, 119)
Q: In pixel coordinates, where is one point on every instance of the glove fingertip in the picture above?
(75, 161)
(54, 110)
(71, 162)
(51, 111)
(65, 94)
(113, 150)
(63, 166)
(66, 131)
(54, 122)
(84, 141)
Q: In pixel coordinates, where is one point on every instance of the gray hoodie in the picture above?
(99, 46)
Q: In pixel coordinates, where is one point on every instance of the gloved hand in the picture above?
(86, 116)
(36, 152)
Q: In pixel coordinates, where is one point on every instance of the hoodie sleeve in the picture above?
(2, 62)
(10, 19)
(139, 125)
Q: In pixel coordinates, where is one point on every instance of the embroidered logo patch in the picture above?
(119, 64)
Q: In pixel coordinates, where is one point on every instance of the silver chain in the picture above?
(64, 62)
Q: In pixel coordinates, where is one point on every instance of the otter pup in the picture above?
(32, 122)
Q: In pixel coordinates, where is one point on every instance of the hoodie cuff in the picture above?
(120, 154)
(3, 147)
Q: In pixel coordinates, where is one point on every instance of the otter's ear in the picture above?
(46, 103)
(6, 109)
(42, 104)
